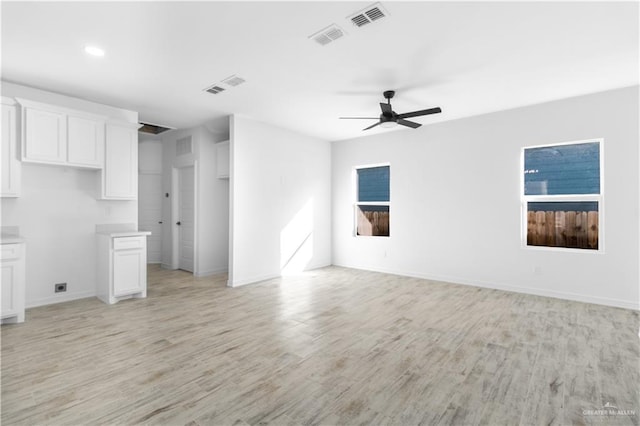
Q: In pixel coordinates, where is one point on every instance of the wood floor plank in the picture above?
(545, 397)
(332, 346)
(582, 393)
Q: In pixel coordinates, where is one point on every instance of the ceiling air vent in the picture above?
(233, 81)
(230, 82)
(214, 90)
(368, 15)
(153, 129)
(184, 146)
(375, 14)
(327, 35)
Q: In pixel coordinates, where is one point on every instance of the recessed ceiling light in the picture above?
(94, 51)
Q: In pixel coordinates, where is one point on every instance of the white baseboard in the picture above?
(317, 266)
(212, 272)
(60, 299)
(257, 279)
(252, 280)
(618, 303)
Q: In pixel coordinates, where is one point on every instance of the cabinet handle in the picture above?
(178, 223)
(160, 222)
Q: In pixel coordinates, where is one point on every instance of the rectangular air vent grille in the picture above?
(334, 33)
(233, 81)
(327, 35)
(360, 20)
(214, 89)
(368, 15)
(374, 14)
(230, 82)
(322, 39)
(183, 146)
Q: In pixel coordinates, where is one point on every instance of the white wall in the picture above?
(57, 213)
(212, 209)
(150, 195)
(213, 198)
(455, 201)
(149, 154)
(281, 202)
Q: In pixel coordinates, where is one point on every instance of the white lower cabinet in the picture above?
(122, 267)
(12, 264)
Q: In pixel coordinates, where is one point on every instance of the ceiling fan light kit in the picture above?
(389, 118)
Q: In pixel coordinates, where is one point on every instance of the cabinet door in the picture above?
(9, 291)
(129, 275)
(10, 167)
(45, 138)
(12, 268)
(120, 175)
(85, 144)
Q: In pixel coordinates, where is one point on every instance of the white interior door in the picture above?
(150, 213)
(186, 227)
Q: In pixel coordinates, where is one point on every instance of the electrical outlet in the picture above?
(60, 287)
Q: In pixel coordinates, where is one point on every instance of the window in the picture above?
(562, 195)
(372, 201)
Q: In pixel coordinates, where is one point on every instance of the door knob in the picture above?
(178, 223)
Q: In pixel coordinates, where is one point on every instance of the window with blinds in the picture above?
(562, 195)
(373, 195)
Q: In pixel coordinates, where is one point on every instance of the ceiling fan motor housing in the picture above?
(388, 116)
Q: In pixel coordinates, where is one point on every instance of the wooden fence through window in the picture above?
(563, 229)
(374, 223)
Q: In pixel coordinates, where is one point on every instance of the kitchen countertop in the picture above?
(11, 239)
(115, 230)
(115, 234)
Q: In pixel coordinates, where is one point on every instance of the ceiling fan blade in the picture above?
(385, 107)
(435, 110)
(408, 123)
(378, 123)
(358, 118)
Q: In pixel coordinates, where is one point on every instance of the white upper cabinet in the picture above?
(44, 136)
(120, 174)
(67, 137)
(56, 135)
(85, 141)
(10, 166)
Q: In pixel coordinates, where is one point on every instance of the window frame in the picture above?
(598, 198)
(356, 203)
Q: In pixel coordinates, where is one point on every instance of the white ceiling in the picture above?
(467, 58)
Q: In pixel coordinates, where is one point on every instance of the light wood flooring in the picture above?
(335, 346)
